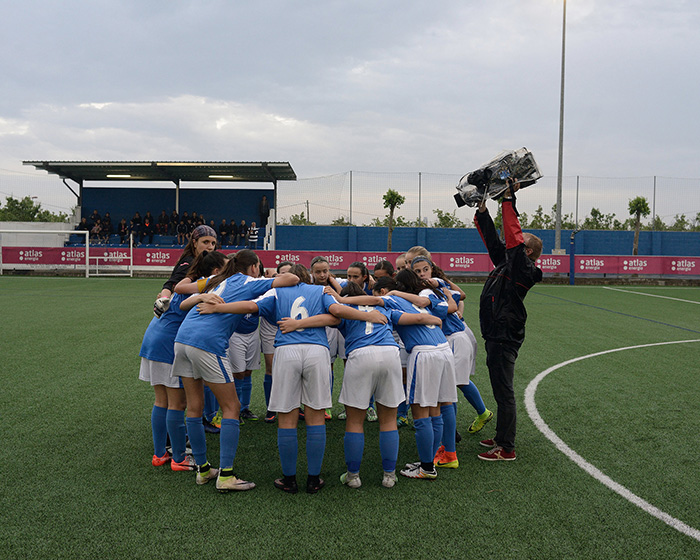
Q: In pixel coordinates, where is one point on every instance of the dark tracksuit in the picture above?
(502, 312)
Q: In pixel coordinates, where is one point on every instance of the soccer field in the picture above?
(77, 480)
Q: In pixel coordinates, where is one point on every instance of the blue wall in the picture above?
(467, 240)
(216, 204)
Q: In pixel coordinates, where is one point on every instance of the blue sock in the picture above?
(354, 444)
(246, 390)
(211, 405)
(228, 441)
(424, 439)
(267, 387)
(239, 389)
(175, 421)
(389, 449)
(403, 406)
(315, 448)
(288, 448)
(450, 427)
(438, 424)
(473, 397)
(159, 429)
(195, 429)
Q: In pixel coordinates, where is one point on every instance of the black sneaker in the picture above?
(458, 437)
(287, 484)
(246, 414)
(314, 484)
(270, 417)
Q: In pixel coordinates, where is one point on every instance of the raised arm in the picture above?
(235, 307)
(287, 324)
(346, 312)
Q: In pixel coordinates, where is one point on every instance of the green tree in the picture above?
(341, 221)
(680, 223)
(598, 220)
(540, 220)
(392, 200)
(447, 219)
(638, 207)
(297, 220)
(657, 224)
(26, 210)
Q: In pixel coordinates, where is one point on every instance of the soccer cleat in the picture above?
(480, 421)
(458, 437)
(206, 476)
(270, 416)
(372, 414)
(209, 427)
(447, 460)
(160, 461)
(328, 415)
(351, 479)
(301, 414)
(246, 414)
(187, 464)
(342, 415)
(497, 454)
(488, 443)
(413, 465)
(229, 483)
(286, 484)
(216, 421)
(389, 479)
(402, 422)
(314, 484)
(418, 472)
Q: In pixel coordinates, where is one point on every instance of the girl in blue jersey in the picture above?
(200, 356)
(373, 368)
(300, 370)
(157, 353)
(430, 371)
(268, 332)
(464, 345)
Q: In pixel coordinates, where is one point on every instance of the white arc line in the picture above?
(651, 295)
(585, 465)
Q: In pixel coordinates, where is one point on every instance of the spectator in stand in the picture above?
(163, 221)
(83, 225)
(190, 226)
(151, 218)
(147, 230)
(212, 225)
(107, 228)
(136, 222)
(182, 232)
(96, 231)
(224, 232)
(93, 218)
(264, 211)
(253, 236)
(185, 216)
(174, 221)
(233, 232)
(123, 231)
(195, 219)
(242, 237)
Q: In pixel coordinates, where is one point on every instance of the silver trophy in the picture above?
(492, 178)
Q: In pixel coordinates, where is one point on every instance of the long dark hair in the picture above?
(299, 270)
(352, 289)
(408, 281)
(188, 251)
(385, 266)
(384, 283)
(363, 270)
(238, 262)
(205, 263)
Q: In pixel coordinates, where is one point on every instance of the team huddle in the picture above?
(400, 332)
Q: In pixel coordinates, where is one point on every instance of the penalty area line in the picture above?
(596, 473)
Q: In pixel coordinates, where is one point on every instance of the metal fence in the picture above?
(356, 196)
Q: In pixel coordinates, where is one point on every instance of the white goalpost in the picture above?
(46, 249)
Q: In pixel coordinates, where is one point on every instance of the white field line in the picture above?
(585, 465)
(651, 295)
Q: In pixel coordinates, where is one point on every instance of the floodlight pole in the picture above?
(557, 227)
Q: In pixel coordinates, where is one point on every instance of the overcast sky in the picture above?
(437, 87)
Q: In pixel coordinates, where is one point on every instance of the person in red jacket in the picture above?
(502, 313)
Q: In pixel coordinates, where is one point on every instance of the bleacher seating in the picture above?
(75, 240)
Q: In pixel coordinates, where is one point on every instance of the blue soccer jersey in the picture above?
(451, 323)
(249, 323)
(212, 332)
(413, 335)
(158, 342)
(359, 334)
(297, 302)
